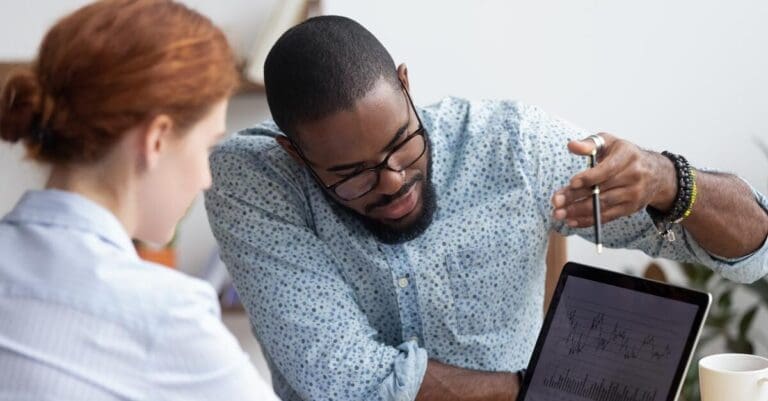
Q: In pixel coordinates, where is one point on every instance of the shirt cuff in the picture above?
(744, 269)
(408, 371)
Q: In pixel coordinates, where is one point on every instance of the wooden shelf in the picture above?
(247, 87)
(6, 68)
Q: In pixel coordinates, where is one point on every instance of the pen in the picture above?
(596, 204)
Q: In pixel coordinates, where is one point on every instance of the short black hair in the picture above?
(322, 66)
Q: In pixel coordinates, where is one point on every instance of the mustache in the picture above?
(387, 199)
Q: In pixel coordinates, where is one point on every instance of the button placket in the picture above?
(402, 280)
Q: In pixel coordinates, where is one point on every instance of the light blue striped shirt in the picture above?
(344, 317)
(83, 318)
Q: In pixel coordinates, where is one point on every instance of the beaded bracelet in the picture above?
(694, 194)
(684, 199)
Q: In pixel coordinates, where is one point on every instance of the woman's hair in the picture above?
(109, 67)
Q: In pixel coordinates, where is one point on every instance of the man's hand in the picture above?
(727, 220)
(629, 178)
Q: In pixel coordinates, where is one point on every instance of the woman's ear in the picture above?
(155, 139)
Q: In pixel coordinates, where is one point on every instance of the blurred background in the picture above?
(685, 76)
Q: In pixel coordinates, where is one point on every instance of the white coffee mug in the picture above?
(733, 377)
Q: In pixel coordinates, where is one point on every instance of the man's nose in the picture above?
(390, 181)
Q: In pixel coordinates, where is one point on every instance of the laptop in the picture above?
(613, 337)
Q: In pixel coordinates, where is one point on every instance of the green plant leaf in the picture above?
(759, 288)
(720, 320)
(739, 345)
(746, 322)
(724, 301)
(690, 390)
(698, 275)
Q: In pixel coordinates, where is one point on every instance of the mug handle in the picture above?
(762, 381)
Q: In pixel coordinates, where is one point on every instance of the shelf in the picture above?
(247, 87)
(6, 68)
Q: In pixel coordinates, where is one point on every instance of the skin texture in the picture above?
(150, 177)
(449, 383)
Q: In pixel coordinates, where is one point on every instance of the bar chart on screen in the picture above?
(597, 389)
(627, 349)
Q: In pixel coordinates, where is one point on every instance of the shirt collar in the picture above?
(72, 211)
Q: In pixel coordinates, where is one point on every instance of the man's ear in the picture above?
(402, 74)
(155, 139)
(288, 147)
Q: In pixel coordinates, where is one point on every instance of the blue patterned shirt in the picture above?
(343, 317)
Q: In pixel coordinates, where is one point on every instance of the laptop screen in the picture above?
(609, 343)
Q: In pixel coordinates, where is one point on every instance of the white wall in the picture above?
(23, 23)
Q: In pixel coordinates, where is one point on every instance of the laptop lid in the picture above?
(609, 336)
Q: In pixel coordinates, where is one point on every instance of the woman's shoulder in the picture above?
(114, 287)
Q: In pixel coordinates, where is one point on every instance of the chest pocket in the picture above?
(482, 283)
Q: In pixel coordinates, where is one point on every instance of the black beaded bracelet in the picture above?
(686, 192)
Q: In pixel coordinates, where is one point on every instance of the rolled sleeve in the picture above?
(408, 372)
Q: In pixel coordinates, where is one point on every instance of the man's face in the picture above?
(400, 206)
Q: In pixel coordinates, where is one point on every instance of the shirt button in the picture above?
(403, 282)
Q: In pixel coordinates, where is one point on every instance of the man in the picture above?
(385, 251)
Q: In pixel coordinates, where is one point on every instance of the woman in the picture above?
(124, 102)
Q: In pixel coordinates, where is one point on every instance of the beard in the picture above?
(389, 234)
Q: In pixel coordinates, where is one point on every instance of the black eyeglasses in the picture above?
(401, 157)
